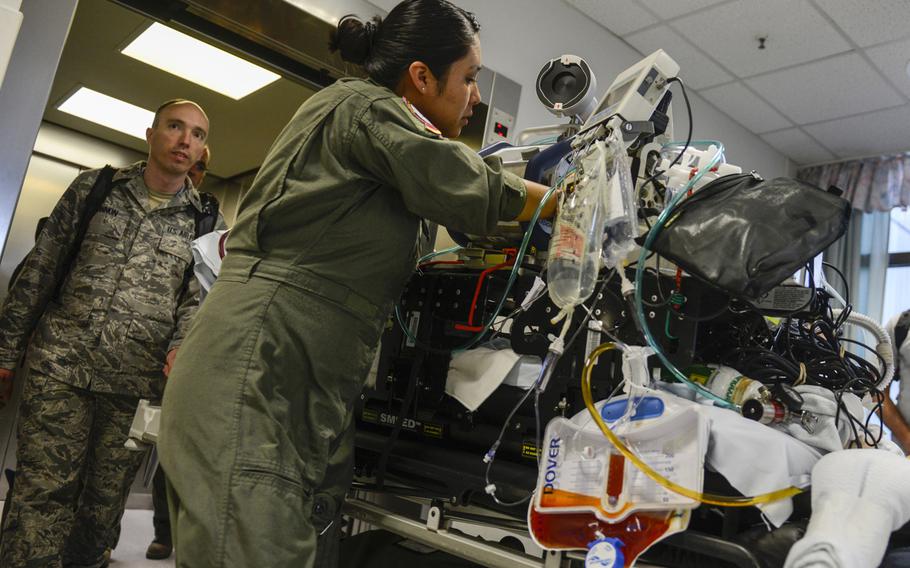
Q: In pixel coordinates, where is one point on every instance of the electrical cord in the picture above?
(490, 456)
(843, 279)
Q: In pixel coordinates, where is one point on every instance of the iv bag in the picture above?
(575, 249)
(620, 207)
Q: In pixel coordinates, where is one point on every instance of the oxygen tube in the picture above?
(707, 498)
(639, 310)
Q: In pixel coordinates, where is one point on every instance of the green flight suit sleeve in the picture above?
(34, 286)
(188, 303)
(440, 180)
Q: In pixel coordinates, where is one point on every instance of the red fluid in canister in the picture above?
(615, 474)
(562, 531)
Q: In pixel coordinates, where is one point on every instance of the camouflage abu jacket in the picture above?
(123, 305)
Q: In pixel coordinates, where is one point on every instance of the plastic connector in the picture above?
(490, 489)
(627, 287)
(491, 453)
(557, 346)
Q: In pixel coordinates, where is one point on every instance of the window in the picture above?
(897, 277)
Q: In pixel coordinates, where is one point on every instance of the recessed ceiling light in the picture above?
(108, 111)
(196, 61)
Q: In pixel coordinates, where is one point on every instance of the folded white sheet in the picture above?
(475, 374)
(207, 255)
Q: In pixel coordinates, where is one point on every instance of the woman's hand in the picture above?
(169, 361)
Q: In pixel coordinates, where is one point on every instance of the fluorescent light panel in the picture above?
(108, 111)
(196, 61)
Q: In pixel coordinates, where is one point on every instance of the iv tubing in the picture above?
(434, 254)
(708, 498)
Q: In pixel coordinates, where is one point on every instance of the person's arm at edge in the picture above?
(900, 430)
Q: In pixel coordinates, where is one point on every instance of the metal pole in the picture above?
(469, 548)
(26, 88)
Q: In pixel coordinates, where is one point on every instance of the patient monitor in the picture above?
(636, 93)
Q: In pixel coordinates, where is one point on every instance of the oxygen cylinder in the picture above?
(728, 384)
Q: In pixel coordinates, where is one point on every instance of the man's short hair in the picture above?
(173, 102)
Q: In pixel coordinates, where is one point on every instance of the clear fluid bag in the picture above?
(576, 246)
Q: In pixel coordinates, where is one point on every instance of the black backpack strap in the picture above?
(900, 335)
(208, 217)
(96, 196)
(205, 224)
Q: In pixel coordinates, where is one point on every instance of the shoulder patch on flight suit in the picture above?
(421, 118)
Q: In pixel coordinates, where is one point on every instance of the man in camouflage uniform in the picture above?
(98, 344)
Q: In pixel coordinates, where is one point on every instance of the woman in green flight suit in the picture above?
(255, 436)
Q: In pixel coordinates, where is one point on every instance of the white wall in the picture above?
(10, 22)
(519, 36)
(84, 151)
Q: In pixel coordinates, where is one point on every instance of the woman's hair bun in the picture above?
(353, 38)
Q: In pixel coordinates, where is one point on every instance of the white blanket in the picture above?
(859, 497)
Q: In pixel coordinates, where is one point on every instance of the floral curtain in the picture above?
(872, 184)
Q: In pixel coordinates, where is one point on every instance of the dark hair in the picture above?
(433, 31)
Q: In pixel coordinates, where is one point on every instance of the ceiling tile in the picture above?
(667, 10)
(697, 70)
(882, 132)
(892, 60)
(823, 90)
(386, 5)
(619, 16)
(746, 108)
(798, 146)
(869, 23)
(730, 35)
